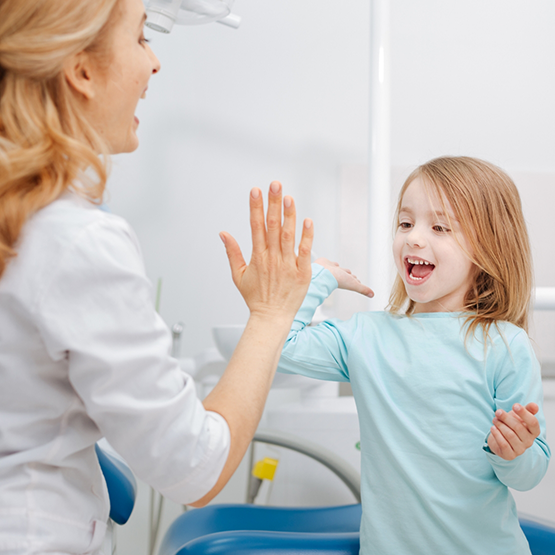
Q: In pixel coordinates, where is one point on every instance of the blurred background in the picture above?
(285, 97)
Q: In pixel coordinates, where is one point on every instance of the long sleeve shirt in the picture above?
(426, 400)
(83, 355)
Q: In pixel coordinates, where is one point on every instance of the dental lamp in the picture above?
(163, 14)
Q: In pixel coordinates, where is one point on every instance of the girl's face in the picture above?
(119, 83)
(435, 269)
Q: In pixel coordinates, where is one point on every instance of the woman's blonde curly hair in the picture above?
(46, 144)
(486, 202)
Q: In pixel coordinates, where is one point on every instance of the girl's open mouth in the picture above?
(418, 270)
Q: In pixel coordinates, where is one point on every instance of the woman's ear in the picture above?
(78, 73)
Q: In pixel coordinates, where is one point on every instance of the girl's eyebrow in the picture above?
(436, 213)
(143, 19)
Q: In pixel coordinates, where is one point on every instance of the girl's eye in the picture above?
(405, 225)
(440, 229)
(144, 40)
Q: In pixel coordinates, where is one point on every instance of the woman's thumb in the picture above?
(235, 256)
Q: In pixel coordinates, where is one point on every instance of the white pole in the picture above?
(379, 193)
(544, 298)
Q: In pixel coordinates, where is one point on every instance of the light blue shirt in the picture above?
(425, 402)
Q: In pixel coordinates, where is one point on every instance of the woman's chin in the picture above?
(130, 145)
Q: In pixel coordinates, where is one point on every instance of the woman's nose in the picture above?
(155, 63)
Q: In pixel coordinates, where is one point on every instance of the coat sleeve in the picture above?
(316, 351)
(518, 380)
(97, 312)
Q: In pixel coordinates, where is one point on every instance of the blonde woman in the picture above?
(82, 352)
(447, 386)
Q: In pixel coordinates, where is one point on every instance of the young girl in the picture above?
(447, 386)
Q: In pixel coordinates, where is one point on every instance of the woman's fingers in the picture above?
(288, 229)
(305, 248)
(258, 225)
(235, 256)
(273, 218)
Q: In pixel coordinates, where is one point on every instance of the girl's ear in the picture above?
(78, 71)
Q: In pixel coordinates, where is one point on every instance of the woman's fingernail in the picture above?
(517, 407)
(275, 187)
(222, 237)
(308, 224)
(287, 202)
(255, 193)
(498, 412)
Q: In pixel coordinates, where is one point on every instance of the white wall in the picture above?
(285, 97)
(231, 110)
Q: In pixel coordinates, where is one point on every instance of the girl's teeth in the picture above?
(414, 262)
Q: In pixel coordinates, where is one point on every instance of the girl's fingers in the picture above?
(273, 218)
(288, 229)
(532, 408)
(258, 227)
(516, 423)
(518, 445)
(504, 449)
(493, 445)
(305, 247)
(512, 423)
(235, 256)
(364, 290)
(527, 416)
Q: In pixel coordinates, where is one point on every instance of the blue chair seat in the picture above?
(247, 528)
(252, 529)
(250, 542)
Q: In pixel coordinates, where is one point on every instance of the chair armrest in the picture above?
(121, 484)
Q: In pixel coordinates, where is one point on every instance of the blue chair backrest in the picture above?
(122, 486)
(540, 536)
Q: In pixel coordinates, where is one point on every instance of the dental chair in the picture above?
(257, 530)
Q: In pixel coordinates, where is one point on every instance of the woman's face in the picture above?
(120, 80)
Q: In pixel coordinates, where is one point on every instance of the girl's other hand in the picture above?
(514, 432)
(276, 280)
(345, 279)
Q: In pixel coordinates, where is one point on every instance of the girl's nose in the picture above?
(415, 239)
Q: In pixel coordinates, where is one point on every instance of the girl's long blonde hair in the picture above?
(45, 141)
(486, 202)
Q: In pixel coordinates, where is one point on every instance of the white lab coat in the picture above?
(83, 354)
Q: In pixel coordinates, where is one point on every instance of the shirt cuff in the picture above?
(198, 483)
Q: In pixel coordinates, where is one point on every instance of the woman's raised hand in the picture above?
(345, 279)
(276, 280)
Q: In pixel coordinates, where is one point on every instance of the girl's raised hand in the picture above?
(276, 280)
(345, 279)
(515, 431)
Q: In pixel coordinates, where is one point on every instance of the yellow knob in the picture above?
(265, 469)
